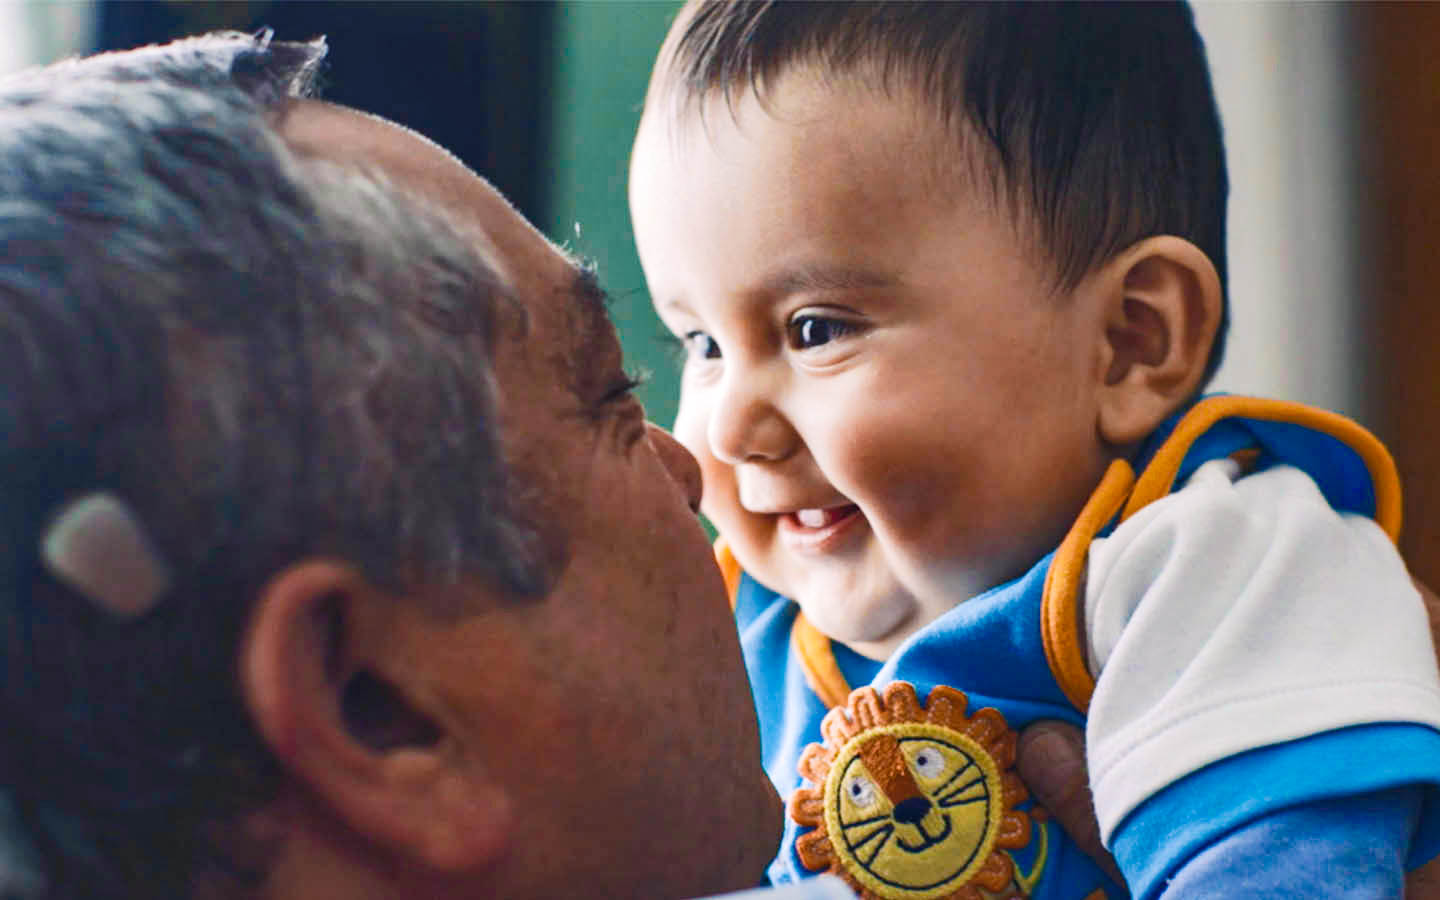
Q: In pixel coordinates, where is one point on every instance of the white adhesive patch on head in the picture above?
(98, 547)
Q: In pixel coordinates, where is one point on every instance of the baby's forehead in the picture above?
(850, 103)
(847, 128)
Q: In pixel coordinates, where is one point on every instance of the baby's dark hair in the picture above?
(1097, 120)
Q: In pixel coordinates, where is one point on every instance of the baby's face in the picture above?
(892, 406)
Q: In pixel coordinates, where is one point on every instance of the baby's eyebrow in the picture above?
(807, 278)
(821, 277)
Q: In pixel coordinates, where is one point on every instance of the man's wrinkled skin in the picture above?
(1052, 763)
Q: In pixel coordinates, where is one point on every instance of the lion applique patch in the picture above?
(912, 802)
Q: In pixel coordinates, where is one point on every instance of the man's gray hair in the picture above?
(262, 358)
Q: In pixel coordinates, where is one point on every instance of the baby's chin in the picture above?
(873, 627)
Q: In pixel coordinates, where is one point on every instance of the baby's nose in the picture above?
(745, 426)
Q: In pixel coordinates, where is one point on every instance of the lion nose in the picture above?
(912, 810)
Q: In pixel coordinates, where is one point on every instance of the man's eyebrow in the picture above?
(819, 278)
(588, 292)
(594, 350)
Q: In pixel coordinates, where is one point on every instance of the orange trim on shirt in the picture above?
(729, 569)
(817, 658)
(1159, 476)
(1061, 605)
(1061, 610)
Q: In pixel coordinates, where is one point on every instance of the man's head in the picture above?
(439, 616)
(934, 265)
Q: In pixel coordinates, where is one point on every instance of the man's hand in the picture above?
(1052, 764)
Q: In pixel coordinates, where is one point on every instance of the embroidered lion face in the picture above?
(911, 802)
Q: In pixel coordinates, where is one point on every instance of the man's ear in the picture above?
(352, 725)
(1162, 309)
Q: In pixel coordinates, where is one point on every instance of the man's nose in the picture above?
(744, 424)
(678, 462)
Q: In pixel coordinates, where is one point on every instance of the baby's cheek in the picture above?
(889, 474)
(718, 504)
(691, 429)
(691, 425)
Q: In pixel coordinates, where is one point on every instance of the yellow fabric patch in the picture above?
(913, 802)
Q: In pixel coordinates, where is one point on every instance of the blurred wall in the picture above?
(1299, 235)
(599, 83)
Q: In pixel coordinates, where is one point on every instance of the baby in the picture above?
(950, 279)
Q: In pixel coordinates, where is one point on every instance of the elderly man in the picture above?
(340, 560)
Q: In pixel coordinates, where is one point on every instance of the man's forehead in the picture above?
(317, 129)
(510, 245)
(536, 272)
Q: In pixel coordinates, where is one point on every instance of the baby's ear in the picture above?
(1162, 309)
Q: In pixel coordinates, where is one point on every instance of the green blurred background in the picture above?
(599, 82)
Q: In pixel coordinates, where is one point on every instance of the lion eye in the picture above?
(928, 761)
(860, 791)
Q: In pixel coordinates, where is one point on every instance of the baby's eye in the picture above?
(699, 345)
(805, 332)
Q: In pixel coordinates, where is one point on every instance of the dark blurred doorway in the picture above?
(471, 75)
(1403, 84)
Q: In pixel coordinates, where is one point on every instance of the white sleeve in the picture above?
(1236, 614)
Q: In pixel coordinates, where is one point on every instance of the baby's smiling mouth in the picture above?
(818, 530)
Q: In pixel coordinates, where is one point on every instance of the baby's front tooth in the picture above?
(811, 518)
